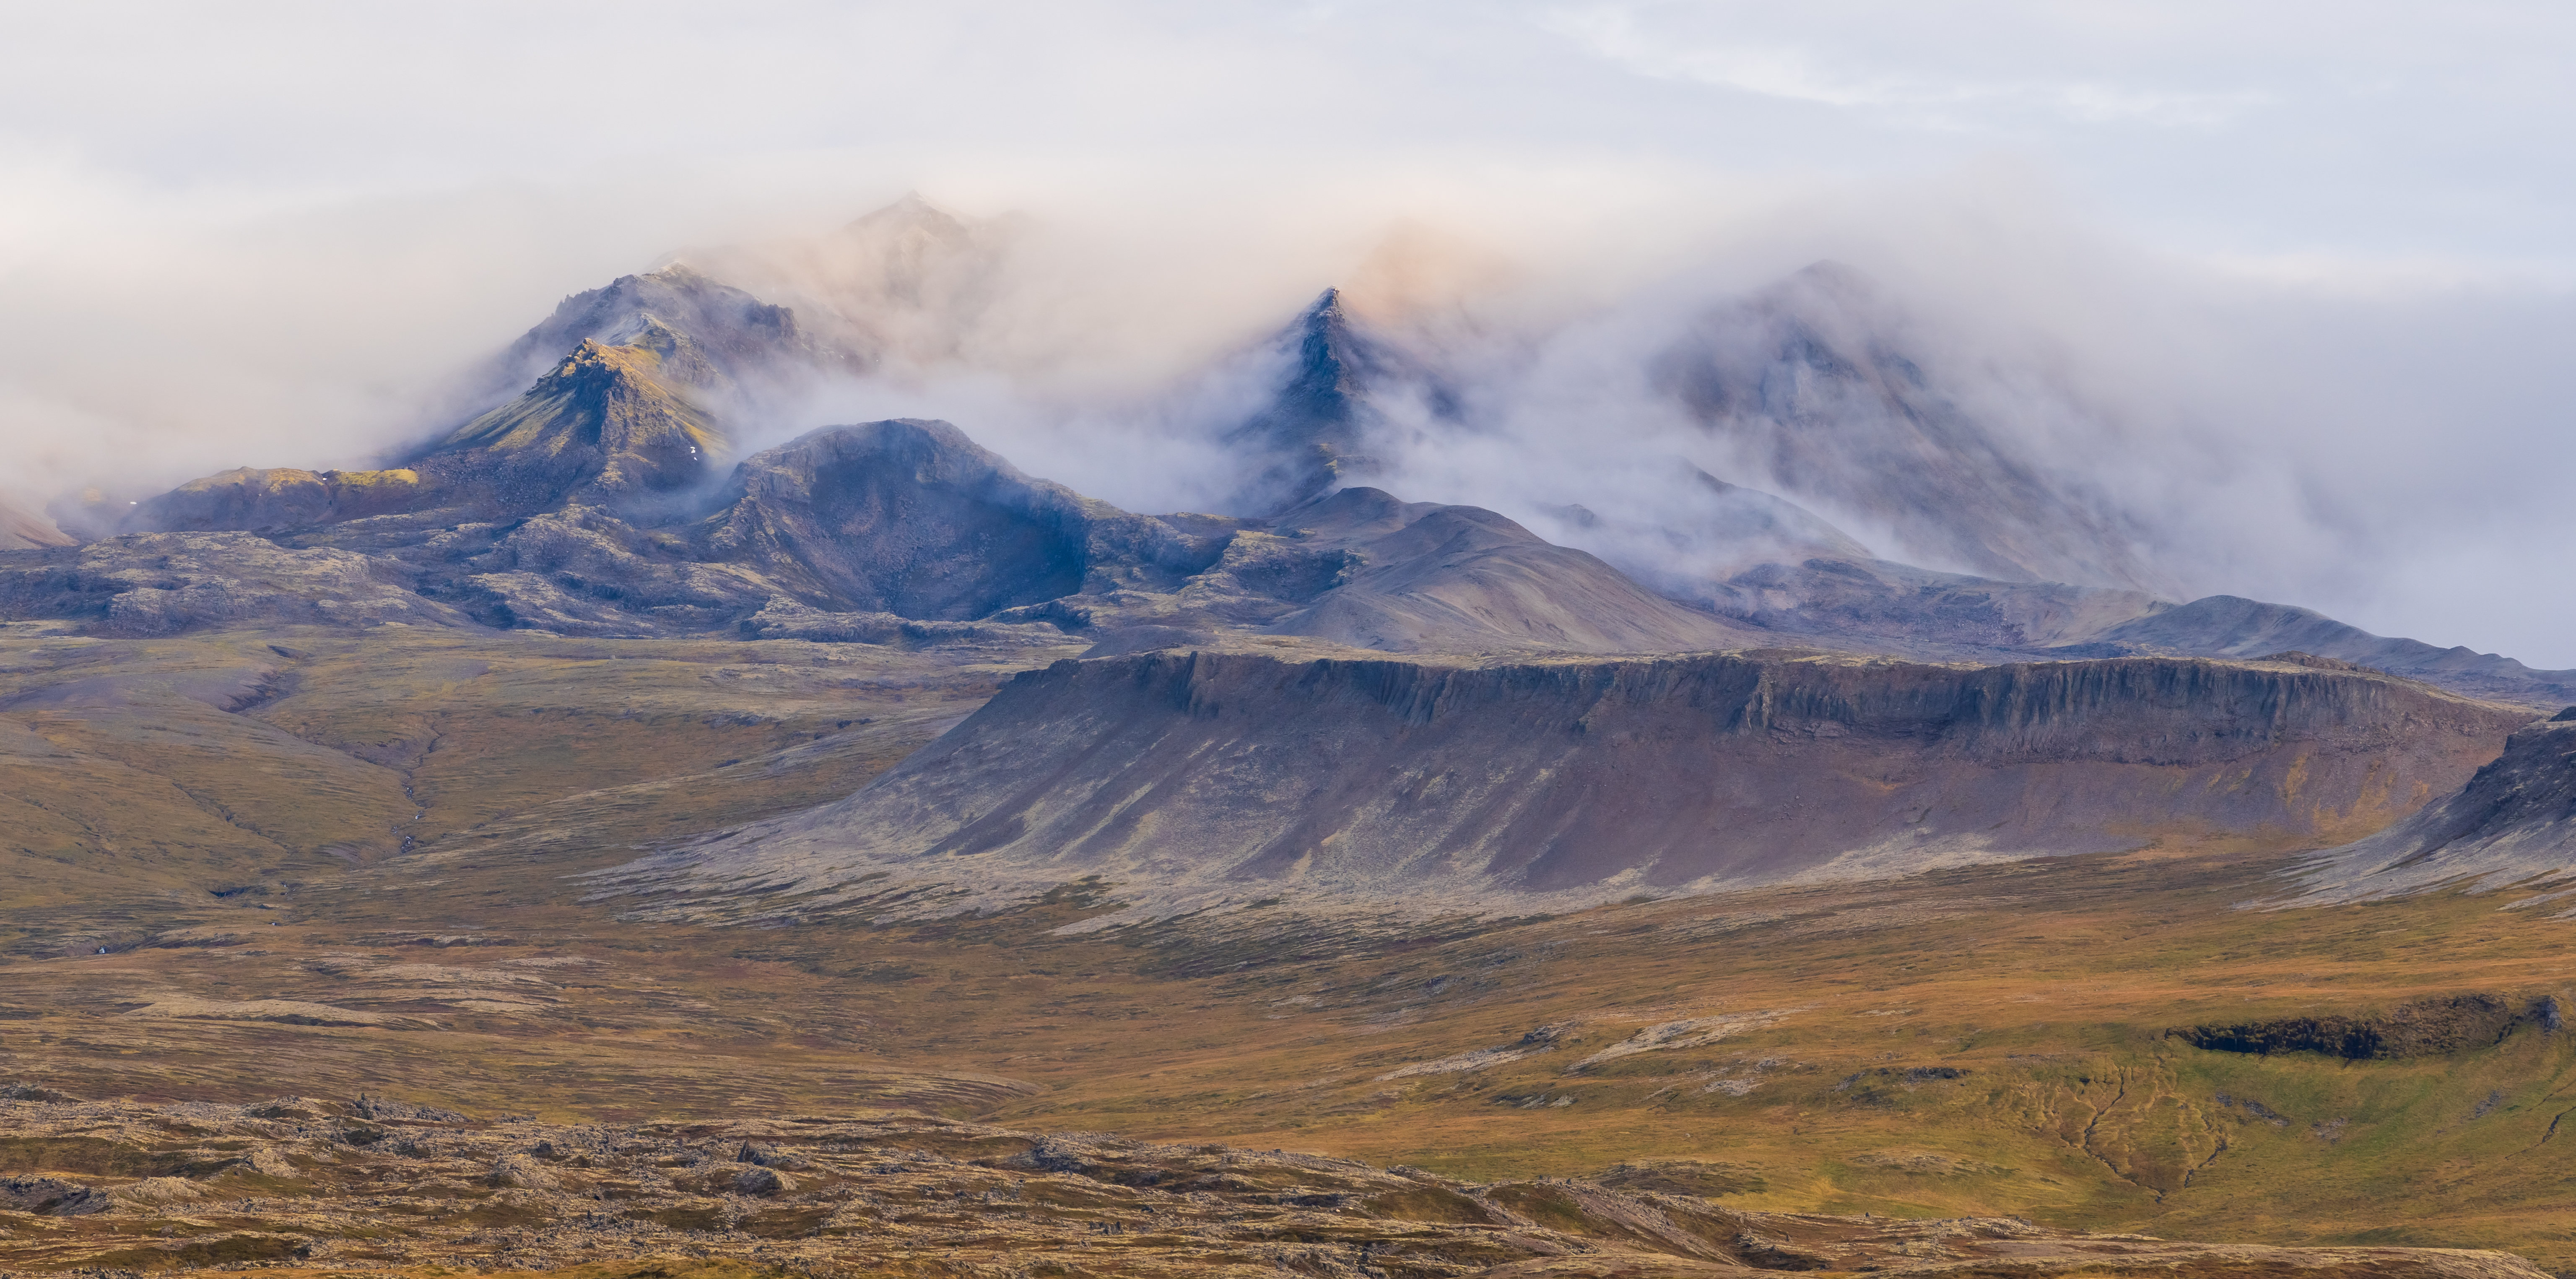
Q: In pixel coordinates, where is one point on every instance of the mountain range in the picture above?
(600, 495)
(1821, 835)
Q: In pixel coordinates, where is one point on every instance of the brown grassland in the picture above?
(213, 847)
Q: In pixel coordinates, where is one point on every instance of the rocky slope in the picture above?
(2513, 825)
(1205, 779)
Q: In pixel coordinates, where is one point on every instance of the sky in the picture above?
(2317, 256)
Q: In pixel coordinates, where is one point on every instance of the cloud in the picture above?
(1802, 74)
(2288, 281)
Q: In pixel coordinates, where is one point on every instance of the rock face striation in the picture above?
(1202, 779)
(2513, 824)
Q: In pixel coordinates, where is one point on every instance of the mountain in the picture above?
(1190, 781)
(709, 333)
(2512, 826)
(596, 501)
(1417, 576)
(1315, 432)
(1808, 382)
(905, 287)
(2231, 626)
(914, 519)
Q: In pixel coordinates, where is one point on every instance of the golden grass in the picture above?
(2042, 988)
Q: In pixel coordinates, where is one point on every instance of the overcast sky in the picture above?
(242, 228)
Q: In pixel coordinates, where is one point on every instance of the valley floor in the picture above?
(323, 866)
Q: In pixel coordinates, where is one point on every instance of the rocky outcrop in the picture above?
(2420, 1028)
(164, 583)
(605, 426)
(53, 1197)
(729, 335)
(2512, 824)
(1193, 780)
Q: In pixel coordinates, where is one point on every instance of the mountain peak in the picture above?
(606, 421)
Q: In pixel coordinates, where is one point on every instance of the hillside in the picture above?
(1188, 781)
(2512, 826)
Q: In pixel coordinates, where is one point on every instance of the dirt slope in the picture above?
(2514, 823)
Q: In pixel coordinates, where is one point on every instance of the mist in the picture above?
(2303, 372)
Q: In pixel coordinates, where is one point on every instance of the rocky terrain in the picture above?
(380, 1185)
(1211, 779)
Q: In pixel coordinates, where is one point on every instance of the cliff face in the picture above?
(2513, 823)
(1201, 778)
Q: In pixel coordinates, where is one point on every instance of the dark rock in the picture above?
(1314, 434)
(2423, 1028)
(386, 1108)
(51, 1197)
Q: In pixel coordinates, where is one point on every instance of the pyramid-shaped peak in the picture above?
(911, 212)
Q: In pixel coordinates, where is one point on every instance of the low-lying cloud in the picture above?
(2297, 369)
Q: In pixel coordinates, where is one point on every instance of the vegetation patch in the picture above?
(1686, 1177)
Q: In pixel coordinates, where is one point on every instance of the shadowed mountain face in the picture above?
(1192, 781)
(1314, 435)
(2513, 824)
(912, 518)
